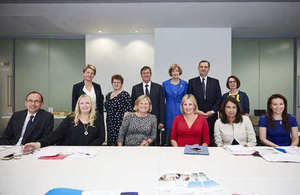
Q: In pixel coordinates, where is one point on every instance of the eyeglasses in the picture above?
(231, 81)
(33, 101)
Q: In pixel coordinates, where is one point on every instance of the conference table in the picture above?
(139, 168)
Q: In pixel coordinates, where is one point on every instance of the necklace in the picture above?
(86, 129)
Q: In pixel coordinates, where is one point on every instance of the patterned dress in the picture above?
(115, 109)
(135, 129)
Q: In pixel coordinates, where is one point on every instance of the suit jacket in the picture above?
(157, 98)
(77, 92)
(41, 127)
(213, 93)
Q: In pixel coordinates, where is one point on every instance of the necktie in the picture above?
(147, 90)
(203, 88)
(29, 124)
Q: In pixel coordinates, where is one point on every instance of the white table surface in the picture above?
(138, 169)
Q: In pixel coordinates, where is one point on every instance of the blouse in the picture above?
(198, 133)
(242, 132)
(135, 129)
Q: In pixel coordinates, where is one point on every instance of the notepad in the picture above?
(196, 150)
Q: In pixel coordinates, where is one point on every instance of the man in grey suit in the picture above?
(28, 125)
(207, 92)
(156, 94)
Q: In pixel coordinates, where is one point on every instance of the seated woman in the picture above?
(82, 128)
(138, 128)
(277, 127)
(190, 127)
(232, 127)
(233, 83)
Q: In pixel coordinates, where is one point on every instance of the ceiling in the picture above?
(60, 18)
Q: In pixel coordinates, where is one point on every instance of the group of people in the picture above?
(193, 112)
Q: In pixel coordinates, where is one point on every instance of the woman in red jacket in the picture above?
(190, 127)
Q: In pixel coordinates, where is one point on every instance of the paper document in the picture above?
(271, 154)
(239, 150)
(186, 182)
(68, 153)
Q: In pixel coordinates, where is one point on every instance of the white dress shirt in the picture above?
(144, 87)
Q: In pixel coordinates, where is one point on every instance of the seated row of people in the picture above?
(84, 127)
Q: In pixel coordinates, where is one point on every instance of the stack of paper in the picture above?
(275, 155)
(59, 153)
(239, 150)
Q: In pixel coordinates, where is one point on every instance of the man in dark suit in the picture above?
(156, 94)
(28, 125)
(207, 91)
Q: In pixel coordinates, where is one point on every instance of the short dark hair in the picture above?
(117, 77)
(204, 61)
(35, 92)
(238, 116)
(145, 68)
(238, 82)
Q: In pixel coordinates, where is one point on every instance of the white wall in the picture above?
(126, 54)
(187, 46)
(119, 54)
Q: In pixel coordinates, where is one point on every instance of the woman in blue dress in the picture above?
(277, 127)
(174, 90)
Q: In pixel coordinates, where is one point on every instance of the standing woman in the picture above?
(277, 127)
(233, 83)
(174, 90)
(88, 87)
(82, 128)
(116, 104)
(190, 127)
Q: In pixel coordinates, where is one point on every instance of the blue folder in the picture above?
(196, 150)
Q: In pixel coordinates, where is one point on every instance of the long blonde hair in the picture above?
(77, 112)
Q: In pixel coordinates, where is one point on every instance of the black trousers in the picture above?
(211, 125)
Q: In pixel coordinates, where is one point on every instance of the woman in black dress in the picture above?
(116, 104)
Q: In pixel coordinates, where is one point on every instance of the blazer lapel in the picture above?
(208, 85)
(33, 126)
(20, 123)
(140, 89)
(199, 85)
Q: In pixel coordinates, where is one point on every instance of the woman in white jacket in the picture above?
(232, 127)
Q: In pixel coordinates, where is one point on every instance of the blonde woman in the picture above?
(87, 86)
(138, 128)
(82, 128)
(190, 127)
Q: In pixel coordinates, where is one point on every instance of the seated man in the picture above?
(28, 125)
